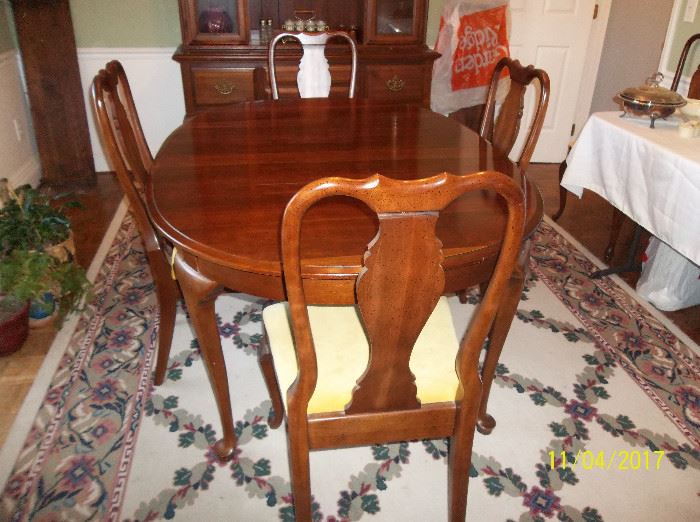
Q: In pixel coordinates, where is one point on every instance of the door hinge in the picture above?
(595, 12)
(573, 129)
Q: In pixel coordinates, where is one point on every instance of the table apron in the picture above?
(326, 290)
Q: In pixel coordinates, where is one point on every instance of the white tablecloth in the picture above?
(651, 175)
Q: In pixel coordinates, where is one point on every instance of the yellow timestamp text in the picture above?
(620, 460)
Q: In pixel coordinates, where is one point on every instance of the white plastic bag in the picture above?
(669, 281)
(472, 38)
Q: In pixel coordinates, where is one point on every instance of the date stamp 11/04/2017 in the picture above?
(616, 460)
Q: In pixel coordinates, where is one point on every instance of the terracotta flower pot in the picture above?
(14, 330)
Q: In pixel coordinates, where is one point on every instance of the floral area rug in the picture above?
(597, 406)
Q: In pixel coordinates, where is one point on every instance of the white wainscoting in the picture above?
(156, 84)
(19, 161)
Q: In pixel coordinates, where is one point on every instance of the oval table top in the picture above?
(221, 181)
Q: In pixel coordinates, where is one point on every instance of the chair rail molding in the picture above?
(20, 161)
(156, 85)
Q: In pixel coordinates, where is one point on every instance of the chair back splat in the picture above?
(398, 293)
(503, 131)
(314, 75)
(129, 156)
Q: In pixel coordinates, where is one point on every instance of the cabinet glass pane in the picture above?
(395, 17)
(217, 16)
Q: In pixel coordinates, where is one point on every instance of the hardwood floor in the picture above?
(588, 220)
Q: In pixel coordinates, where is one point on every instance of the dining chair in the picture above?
(391, 367)
(694, 88)
(130, 158)
(314, 75)
(502, 131)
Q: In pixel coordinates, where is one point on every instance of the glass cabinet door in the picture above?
(395, 21)
(214, 22)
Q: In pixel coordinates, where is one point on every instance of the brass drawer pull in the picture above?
(395, 84)
(224, 87)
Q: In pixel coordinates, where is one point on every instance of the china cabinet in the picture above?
(223, 55)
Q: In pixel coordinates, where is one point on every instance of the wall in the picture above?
(678, 33)
(143, 37)
(434, 12)
(19, 160)
(132, 23)
(632, 48)
(7, 42)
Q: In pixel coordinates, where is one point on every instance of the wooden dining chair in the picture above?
(390, 368)
(313, 67)
(502, 131)
(128, 154)
(694, 88)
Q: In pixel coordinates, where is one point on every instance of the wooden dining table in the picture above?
(221, 181)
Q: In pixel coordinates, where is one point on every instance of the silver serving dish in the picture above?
(650, 100)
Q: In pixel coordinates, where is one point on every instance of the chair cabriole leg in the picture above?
(273, 388)
(167, 294)
(498, 334)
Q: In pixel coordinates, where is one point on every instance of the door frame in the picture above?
(594, 52)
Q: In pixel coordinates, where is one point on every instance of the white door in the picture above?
(554, 36)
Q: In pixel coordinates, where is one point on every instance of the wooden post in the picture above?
(47, 45)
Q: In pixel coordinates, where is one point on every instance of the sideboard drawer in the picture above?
(403, 83)
(221, 86)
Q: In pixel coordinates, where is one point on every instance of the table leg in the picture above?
(615, 225)
(200, 294)
(630, 265)
(497, 336)
(562, 191)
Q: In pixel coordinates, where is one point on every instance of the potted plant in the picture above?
(37, 266)
(29, 221)
(51, 286)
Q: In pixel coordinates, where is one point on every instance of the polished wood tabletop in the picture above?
(220, 183)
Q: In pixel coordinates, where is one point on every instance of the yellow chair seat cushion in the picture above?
(342, 354)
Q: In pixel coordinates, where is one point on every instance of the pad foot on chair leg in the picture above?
(485, 424)
(223, 450)
(274, 419)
